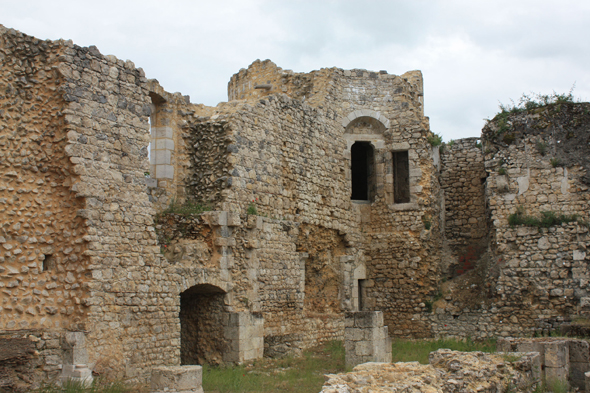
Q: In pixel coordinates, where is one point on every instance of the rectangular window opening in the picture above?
(401, 177)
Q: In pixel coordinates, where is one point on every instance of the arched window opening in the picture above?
(202, 315)
(362, 171)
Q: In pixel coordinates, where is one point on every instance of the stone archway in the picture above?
(203, 315)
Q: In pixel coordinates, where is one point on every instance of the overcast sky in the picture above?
(473, 53)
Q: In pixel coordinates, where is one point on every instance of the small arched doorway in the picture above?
(202, 316)
(362, 166)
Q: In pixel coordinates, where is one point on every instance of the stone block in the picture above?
(79, 373)
(177, 378)
(233, 220)
(587, 381)
(164, 144)
(556, 376)
(163, 132)
(532, 346)
(504, 345)
(244, 337)
(579, 351)
(368, 319)
(164, 172)
(74, 346)
(556, 354)
(162, 157)
(363, 348)
(151, 183)
(215, 218)
(577, 372)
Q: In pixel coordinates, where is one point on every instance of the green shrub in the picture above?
(502, 171)
(434, 139)
(534, 100)
(252, 210)
(555, 162)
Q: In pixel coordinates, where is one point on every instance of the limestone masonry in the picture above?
(317, 200)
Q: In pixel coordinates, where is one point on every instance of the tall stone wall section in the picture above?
(108, 131)
(537, 276)
(462, 179)
(41, 233)
(79, 249)
(275, 152)
(403, 256)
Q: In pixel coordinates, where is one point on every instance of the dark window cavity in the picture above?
(363, 171)
(401, 177)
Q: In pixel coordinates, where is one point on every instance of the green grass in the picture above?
(289, 374)
(98, 386)
(410, 351)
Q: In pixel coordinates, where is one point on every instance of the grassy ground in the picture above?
(98, 386)
(290, 374)
(303, 374)
(418, 350)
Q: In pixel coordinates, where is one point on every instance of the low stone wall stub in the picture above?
(245, 337)
(565, 360)
(365, 338)
(447, 371)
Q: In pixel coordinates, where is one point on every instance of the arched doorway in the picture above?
(202, 320)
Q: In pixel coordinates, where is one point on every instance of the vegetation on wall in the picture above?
(557, 125)
(547, 219)
(434, 139)
(534, 100)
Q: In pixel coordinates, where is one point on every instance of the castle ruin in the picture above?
(325, 196)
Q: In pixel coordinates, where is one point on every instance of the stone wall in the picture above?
(283, 168)
(29, 357)
(463, 179)
(274, 153)
(84, 255)
(286, 250)
(42, 260)
(541, 266)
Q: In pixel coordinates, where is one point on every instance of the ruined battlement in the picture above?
(320, 88)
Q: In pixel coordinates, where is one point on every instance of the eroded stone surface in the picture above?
(448, 371)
